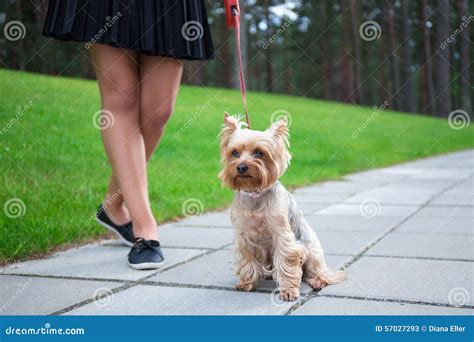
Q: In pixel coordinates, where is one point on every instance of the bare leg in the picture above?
(118, 77)
(159, 84)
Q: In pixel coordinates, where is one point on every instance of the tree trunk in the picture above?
(356, 48)
(407, 92)
(427, 93)
(268, 52)
(443, 71)
(464, 60)
(394, 75)
(347, 81)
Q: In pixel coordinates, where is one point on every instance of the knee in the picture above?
(156, 117)
(120, 95)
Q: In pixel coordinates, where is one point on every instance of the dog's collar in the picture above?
(253, 194)
(258, 194)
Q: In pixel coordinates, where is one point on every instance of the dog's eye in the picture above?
(235, 154)
(258, 154)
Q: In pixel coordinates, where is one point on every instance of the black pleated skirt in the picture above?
(171, 28)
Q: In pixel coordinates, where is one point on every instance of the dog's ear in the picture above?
(231, 124)
(279, 130)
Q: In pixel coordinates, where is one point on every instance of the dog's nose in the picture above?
(242, 168)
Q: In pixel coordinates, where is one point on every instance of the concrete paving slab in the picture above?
(425, 246)
(95, 261)
(346, 306)
(435, 281)
(432, 225)
(352, 223)
(216, 219)
(369, 209)
(389, 198)
(195, 237)
(336, 188)
(319, 199)
(42, 296)
(159, 300)
(446, 212)
(345, 242)
(217, 269)
(454, 200)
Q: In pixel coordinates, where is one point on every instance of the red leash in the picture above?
(233, 20)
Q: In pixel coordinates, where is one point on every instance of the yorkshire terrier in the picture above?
(273, 238)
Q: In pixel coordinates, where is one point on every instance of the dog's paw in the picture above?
(247, 287)
(289, 295)
(317, 283)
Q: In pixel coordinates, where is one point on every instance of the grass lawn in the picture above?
(52, 157)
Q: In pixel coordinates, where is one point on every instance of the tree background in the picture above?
(416, 55)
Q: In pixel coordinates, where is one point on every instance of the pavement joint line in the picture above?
(416, 257)
(164, 246)
(396, 300)
(363, 250)
(133, 283)
(198, 226)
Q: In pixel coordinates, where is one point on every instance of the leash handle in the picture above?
(235, 10)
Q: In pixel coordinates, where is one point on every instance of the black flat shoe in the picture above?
(124, 231)
(145, 255)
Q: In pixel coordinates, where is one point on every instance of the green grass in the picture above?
(52, 157)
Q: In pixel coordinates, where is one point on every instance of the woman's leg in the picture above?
(118, 77)
(160, 78)
(159, 84)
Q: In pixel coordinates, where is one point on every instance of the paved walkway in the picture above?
(404, 233)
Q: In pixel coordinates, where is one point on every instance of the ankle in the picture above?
(147, 231)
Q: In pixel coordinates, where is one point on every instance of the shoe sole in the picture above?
(112, 229)
(146, 265)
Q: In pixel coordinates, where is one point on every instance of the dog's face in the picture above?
(253, 160)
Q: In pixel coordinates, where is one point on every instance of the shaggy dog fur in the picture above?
(272, 236)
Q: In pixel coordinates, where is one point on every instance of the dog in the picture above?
(272, 236)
